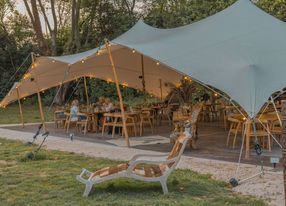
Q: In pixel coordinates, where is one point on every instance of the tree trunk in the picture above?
(74, 42)
(61, 97)
(283, 142)
(35, 19)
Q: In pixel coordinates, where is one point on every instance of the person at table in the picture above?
(74, 110)
(108, 106)
(100, 103)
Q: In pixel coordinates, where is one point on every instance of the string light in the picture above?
(125, 84)
(158, 63)
(53, 61)
(109, 80)
(133, 51)
(26, 76)
(82, 61)
(215, 94)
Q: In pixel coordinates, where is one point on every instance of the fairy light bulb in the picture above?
(133, 51)
(158, 63)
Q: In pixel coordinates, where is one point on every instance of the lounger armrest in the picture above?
(133, 164)
(83, 172)
(145, 155)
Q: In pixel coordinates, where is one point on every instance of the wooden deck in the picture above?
(211, 143)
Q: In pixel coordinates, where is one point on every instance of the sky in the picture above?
(20, 6)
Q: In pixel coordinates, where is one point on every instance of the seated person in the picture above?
(109, 107)
(74, 110)
(100, 103)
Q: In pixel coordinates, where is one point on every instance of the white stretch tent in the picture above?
(240, 51)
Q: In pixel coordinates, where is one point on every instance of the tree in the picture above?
(276, 8)
(33, 13)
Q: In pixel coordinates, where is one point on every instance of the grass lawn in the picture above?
(11, 115)
(50, 180)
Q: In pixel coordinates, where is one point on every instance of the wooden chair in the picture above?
(236, 126)
(140, 167)
(146, 117)
(165, 113)
(59, 118)
(107, 121)
(193, 119)
(195, 113)
(261, 133)
(130, 124)
(84, 121)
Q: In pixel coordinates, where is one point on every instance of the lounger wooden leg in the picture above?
(164, 186)
(88, 187)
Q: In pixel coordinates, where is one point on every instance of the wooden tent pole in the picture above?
(86, 91)
(39, 97)
(20, 108)
(107, 45)
(143, 77)
(283, 142)
(161, 90)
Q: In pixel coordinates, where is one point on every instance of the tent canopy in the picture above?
(240, 51)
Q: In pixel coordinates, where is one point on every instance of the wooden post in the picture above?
(20, 108)
(119, 93)
(161, 90)
(41, 111)
(86, 92)
(283, 142)
(143, 77)
(39, 97)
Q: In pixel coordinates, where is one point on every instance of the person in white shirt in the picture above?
(74, 110)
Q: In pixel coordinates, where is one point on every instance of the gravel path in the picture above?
(269, 187)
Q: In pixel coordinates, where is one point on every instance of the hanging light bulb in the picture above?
(158, 63)
(109, 80)
(133, 51)
(215, 94)
(53, 61)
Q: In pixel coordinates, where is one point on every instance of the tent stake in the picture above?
(86, 91)
(119, 94)
(20, 108)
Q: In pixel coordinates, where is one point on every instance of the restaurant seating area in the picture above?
(161, 119)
